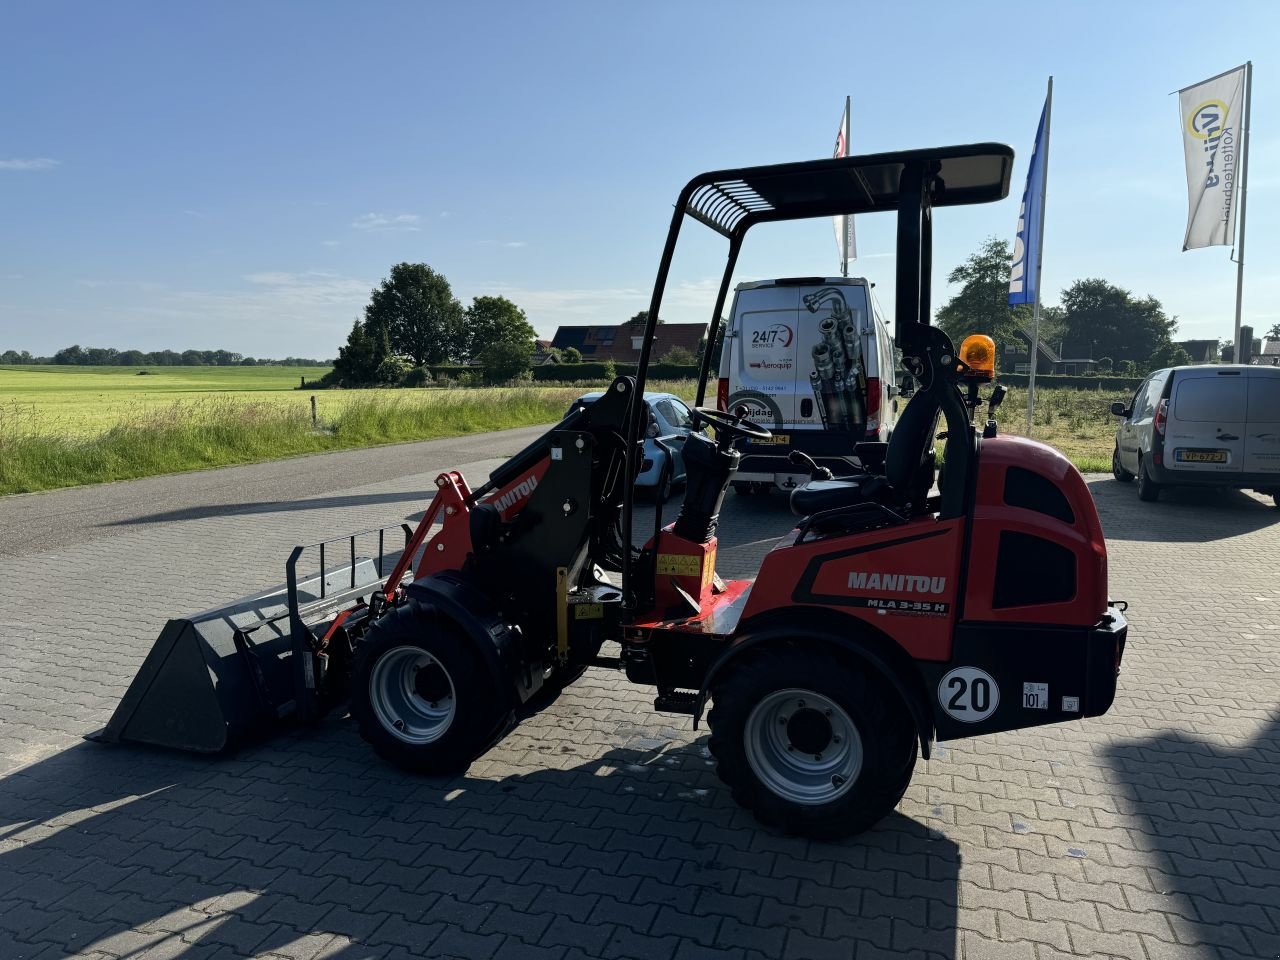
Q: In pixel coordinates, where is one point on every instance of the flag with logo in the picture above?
(1023, 276)
(844, 224)
(1212, 113)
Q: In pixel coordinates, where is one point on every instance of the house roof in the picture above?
(1270, 348)
(599, 342)
(1201, 350)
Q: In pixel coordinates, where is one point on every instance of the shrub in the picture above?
(417, 377)
(570, 355)
(393, 369)
(504, 362)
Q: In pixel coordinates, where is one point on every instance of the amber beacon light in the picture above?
(979, 354)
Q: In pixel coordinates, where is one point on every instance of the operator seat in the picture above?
(908, 467)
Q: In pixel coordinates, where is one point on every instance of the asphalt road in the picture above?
(39, 522)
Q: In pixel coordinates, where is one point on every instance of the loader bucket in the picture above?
(234, 673)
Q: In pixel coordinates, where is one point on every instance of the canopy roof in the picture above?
(731, 201)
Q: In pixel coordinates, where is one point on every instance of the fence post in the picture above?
(313, 410)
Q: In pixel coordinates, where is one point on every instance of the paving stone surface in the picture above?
(598, 828)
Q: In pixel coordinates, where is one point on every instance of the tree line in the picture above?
(1094, 318)
(77, 355)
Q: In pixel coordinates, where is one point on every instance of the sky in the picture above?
(241, 175)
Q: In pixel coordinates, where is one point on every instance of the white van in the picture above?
(1205, 425)
(811, 359)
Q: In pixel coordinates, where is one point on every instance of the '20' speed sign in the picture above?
(968, 694)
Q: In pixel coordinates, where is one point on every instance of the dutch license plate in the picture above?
(1200, 456)
(777, 438)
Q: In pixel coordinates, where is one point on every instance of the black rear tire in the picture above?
(1117, 468)
(1148, 489)
(417, 669)
(786, 675)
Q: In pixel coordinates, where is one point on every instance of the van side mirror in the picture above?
(1119, 409)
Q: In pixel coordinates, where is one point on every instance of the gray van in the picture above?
(1206, 425)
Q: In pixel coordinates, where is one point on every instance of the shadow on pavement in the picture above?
(1208, 818)
(276, 506)
(311, 845)
(1181, 515)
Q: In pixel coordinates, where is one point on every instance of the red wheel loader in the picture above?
(908, 605)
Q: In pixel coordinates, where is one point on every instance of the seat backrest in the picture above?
(911, 440)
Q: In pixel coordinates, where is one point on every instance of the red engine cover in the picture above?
(1025, 505)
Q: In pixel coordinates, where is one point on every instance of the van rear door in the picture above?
(1206, 422)
(765, 353)
(1262, 431)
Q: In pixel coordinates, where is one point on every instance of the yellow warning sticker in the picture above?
(588, 611)
(709, 571)
(680, 564)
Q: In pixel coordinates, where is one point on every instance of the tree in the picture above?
(1227, 354)
(1126, 368)
(571, 355)
(982, 305)
(358, 361)
(1111, 321)
(504, 361)
(641, 318)
(416, 309)
(1168, 355)
(10, 356)
(1105, 364)
(495, 320)
(1274, 332)
(72, 354)
(681, 356)
(131, 358)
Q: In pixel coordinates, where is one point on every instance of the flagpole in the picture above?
(1244, 191)
(1035, 316)
(844, 240)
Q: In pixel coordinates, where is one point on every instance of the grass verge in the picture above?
(218, 431)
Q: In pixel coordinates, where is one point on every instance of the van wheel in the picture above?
(422, 696)
(809, 742)
(1117, 469)
(742, 488)
(1148, 489)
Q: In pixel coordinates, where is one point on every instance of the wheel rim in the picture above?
(803, 746)
(412, 694)
(1115, 462)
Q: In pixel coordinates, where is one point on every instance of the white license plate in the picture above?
(1200, 456)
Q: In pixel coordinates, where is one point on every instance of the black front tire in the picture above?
(870, 706)
(413, 668)
(1117, 469)
(1148, 489)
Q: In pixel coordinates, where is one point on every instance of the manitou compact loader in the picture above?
(896, 613)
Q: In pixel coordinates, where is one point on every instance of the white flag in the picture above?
(844, 223)
(1212, 121)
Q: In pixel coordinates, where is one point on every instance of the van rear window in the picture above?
(1264, 399)
(1201, 399)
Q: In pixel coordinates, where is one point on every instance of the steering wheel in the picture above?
(731, 425)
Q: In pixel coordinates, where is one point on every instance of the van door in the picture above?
(765, 355)
(1206, 422)
(1262, 427)
(824, 375)
(1127, 436)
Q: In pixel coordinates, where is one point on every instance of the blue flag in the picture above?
(1023, 277)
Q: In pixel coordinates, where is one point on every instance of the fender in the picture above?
(499, 643)
(818, 625)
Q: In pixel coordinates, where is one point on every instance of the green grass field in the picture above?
(87, 400)
(62, 426)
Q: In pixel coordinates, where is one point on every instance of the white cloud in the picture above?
(329, 243)
(383, 222)
(444, 214)
(29, 165)
(515, 243)
(13, 276)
